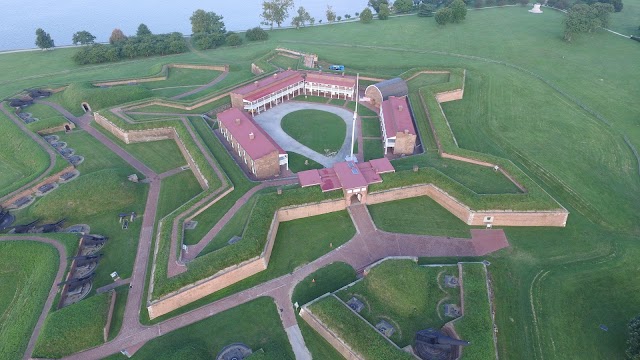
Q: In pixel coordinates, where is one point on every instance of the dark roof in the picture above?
(393, 87)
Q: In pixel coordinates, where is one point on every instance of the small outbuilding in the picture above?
(377, 93)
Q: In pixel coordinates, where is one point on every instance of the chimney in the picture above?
(406, 131)
(255, 83)
(252, 136)
(237, 121)
(400, 108)
(275, 75)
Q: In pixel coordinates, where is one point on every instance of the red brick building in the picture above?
(273, 90)
(259, 152)
(396, 124)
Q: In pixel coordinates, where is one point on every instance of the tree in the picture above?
(443, 16)
(375, 4)
(143, 30)
(83, 38)
(458, 10)
(617, 5)
(207, 22)
(331, 15)
(116, 36)
(347, 16)
(366, 16)
(480, 3)
(275, 11)
(633, 349)
(384, 12)
(43, 40)
(583, 18)
(233, 39)
(426, 10)
(301, 18)
(256, 34)
(403, 6)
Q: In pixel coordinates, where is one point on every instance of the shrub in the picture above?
(204, 41)
(384, 12)
(257, 34)
(403, 6)
(444, 16)
(366, 16)
(633, 351)
(135, 46)
(478, 3)
(234, 39)
(426, 10)
(459, 10)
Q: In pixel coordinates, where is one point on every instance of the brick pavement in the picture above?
(62, 266)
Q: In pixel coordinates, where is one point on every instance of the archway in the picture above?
(355, 199)
(86, 107)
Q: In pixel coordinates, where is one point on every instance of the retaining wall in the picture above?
(166, 133)
(331, 338)
(107, 326)
(164, 77)
(56, 129)
(49, 180)
(472, 217)
(241, 271)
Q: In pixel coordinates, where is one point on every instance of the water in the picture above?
(61, 18)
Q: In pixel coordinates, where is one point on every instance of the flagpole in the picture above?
(355, 116)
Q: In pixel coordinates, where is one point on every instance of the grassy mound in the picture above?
(99, 98)
(320, 131)
(26, 272)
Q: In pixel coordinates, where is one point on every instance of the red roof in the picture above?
(242, 127)
(346, 175)
(269, 85)
(331, 79)
(397, 117)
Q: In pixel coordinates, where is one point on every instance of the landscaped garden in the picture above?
(320, 131)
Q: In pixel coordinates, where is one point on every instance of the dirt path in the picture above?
(35, 137)
(54, 287)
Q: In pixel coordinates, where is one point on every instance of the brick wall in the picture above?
(405, 144)
(49, 180)
(471, 217)
(450, 95)
(374, 94)
(237, 101)
(267, 166)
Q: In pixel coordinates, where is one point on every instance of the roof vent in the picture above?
(275, 75)
(252, 136)
(255, 83)
(237, 121)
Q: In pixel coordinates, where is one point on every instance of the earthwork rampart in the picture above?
(49, 180)
(164, 74)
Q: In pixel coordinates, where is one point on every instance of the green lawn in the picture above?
(47, 117)
(423, 80)
(320, 131)
(371, 127)
(72, 329)
(160, 156)
(419, 215)
(184, 77)
(27, 270)
(328, 279)
(21, 158)
(256, 324)
(317, 345)
(297, 163)
(312, 98)
(406, 295)
(177, 190)
(285, 62)
(235, 227)
(372, 149)
(362, 110)
(476, 326)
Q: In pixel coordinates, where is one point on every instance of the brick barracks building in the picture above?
(397, 127)
(259, 152)
(273, 90)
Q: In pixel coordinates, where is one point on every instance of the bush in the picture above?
(444, 16)
(384, 12)
(426, 10)
(233, 39)
(366, 16)
(633, 351)
(403, 6)
(204, 41)
(459, 10)
(132, 47)
(256, 34)
(478, 3)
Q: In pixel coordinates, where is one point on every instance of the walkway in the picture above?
(368, 246)
(62, 266)
(270, 121)
(213, 83)
(43, 144)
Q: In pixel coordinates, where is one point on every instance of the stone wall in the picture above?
(107, 326)
(237, 101)
(328, 335)
(374, 95)
(241, 271)
(49, 180)
(405, 144)
(472, 217)
(450, 95)
(166, 133)
(256, 70)
(267, 166)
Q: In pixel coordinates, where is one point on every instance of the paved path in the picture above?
(62, 266)
(203, 87)
(35, 137)
(270, 121)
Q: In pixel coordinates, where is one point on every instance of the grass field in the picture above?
(235, 227)
(177, 190)
(423, 80)
(426, 217)
(184, 77)
(507, 112)
(160, 156)
(15, 169)
(285, 62)
(404, 294)
(256, 324)
(320, 131)
(328, 279)
(371, 127)
(73, 328)
(372, 149)
(47, 117)
(297, 163)
(27, 270)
